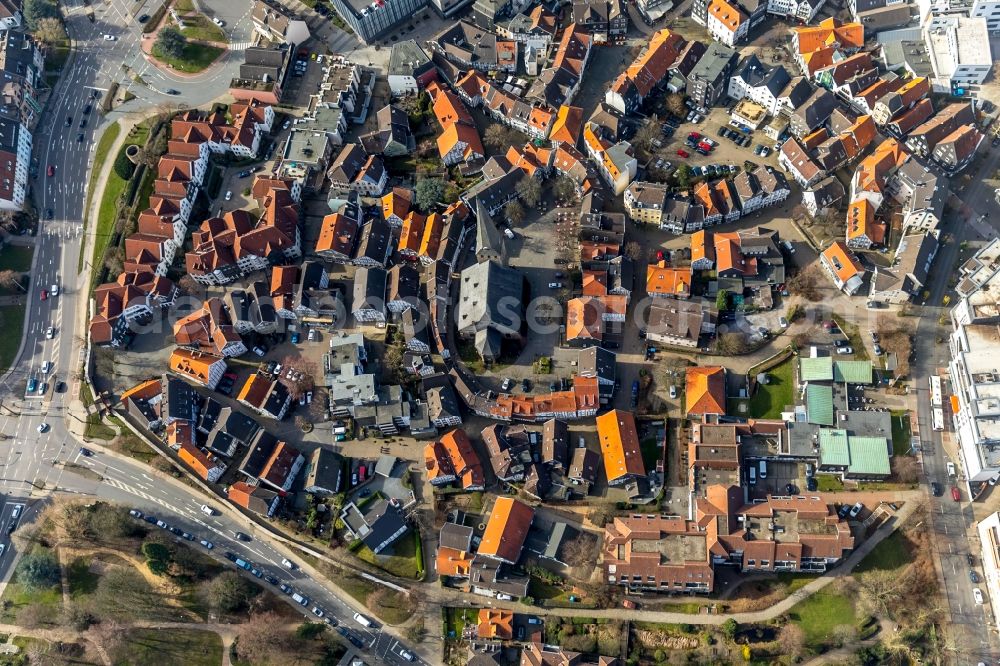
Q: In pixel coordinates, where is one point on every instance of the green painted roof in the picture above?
(833, 448)
(852, 372)
(869, 456)
(816, 369)
(819, 404)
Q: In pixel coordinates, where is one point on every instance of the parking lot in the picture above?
(725, 152)
(781, 477)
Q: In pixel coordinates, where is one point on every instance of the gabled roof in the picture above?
(661, 279)
(619, 439)
(506, 529)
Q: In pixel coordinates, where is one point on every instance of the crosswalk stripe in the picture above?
(240, 46)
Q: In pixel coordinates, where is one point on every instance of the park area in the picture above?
(188, 41)
(94, 582)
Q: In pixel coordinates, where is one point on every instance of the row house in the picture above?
(129, 302)
(536, 29)
(282, 287)
(760, 188)
(233, 246)
(726, 22)
(459, 140)
(471, 47)
(251, 310)
(814, 47)
(760, 84)
(210, 328)
(843, 267)
(647, 73)
(396, 204)
(557, 84)
(955, 151)
(368, 305)
(265, 396)
(453, 460)
(198, 367)
(402, 288)
(922, 140)
(899, 101)
(904, 123)
(802, 11)
(353, 170)
(338, 235)
(606, 20)
(615, 161)
(863, 230)
(374, 244)
(645, 202)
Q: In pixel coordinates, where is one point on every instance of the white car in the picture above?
(977, 594)
(207, 544)
(229, 195)
(555, 285)
(109, 38)
(50, 333)
(317, 611)
(856, 509)
(54, 290)
(782, 322)
(285, 562)
(845, 350)
(207, 510)
(42, 427)
(219, 22)
(46, 367)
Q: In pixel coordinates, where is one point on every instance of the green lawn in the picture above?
(201, 28)
(455, 620)
(196, 57)
(401, 562)
(820, 613)
(900, 433)
(96, 429)
(16, 596)
(100, 157)
(81, 580)
(12, 319)
(180, 647)
(770, 399)
(16, 258)
(827, 483)
(114, 188)
(359, 588)
(892, 553)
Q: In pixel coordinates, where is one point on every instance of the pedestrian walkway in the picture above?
(239, 46)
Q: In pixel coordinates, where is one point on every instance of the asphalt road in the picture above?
(38, 453)
(973, 634)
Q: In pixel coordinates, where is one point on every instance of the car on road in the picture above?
(207, 544)
(977, 594)
(229, 195)
(135, 513)
(877, 348)
(50, 333)
(54, 290)
(176, 531)
(231, 556)
(244, 174)
(318, 612)
(42, 427)
(162, 525)
(46, 367)
(109, 38)
(285, 562)
(51, 170)
(935, 489)
(507, 384)
(42, 388)
(955, 494)
(782, 322)
(974, 577)
(284, 588)
(970, 559)
(44, 294)
(272, 580)
(143, 18)
(79, 137)
(241, 536)
(219, 22)
(188, 536)
(69, 121)
(172, 91)
(207, 510)
(49, 214)
(83, 122)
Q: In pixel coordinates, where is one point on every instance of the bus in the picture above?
(937, 418)
(935, 383)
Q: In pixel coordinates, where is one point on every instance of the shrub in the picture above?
(123, 165)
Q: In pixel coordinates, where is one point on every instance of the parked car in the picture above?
(845, 350)
(974, 577)
(955, 494)
(977, 594)
(935, 489)
(680, 152)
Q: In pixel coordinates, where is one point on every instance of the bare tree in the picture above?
(647, 133)
(880, 591)
(49, 30)
(580, 551)
(110, 636)
(514, 212)
(564, 188)
(9, 278)
(792, 638)
(261, 638)
(675, 104)
(805, 283)
(633, 250)
(188, 284)
(530, 191)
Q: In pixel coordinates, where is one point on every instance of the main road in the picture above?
(38, 452)
(972, 634)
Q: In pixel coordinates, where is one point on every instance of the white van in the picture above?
(763, 469)
(753, 476)
(362, 620)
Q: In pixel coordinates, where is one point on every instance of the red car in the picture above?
(44, 294)
(704, 145)
(683, 153)
(955, 495)
(694, 135)
(659, 255)
(51, 171)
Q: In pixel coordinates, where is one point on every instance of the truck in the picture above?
(362, 620)
(299, 599)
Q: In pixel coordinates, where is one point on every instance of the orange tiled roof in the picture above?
(496, 623)
(726, 14)
(568, 125)
(620, 444)
(843, 261)
(830, 32)
(706, 390)
(661, 279)
(506, 529)
(861, 222)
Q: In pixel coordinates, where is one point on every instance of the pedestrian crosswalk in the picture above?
(239, 46)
